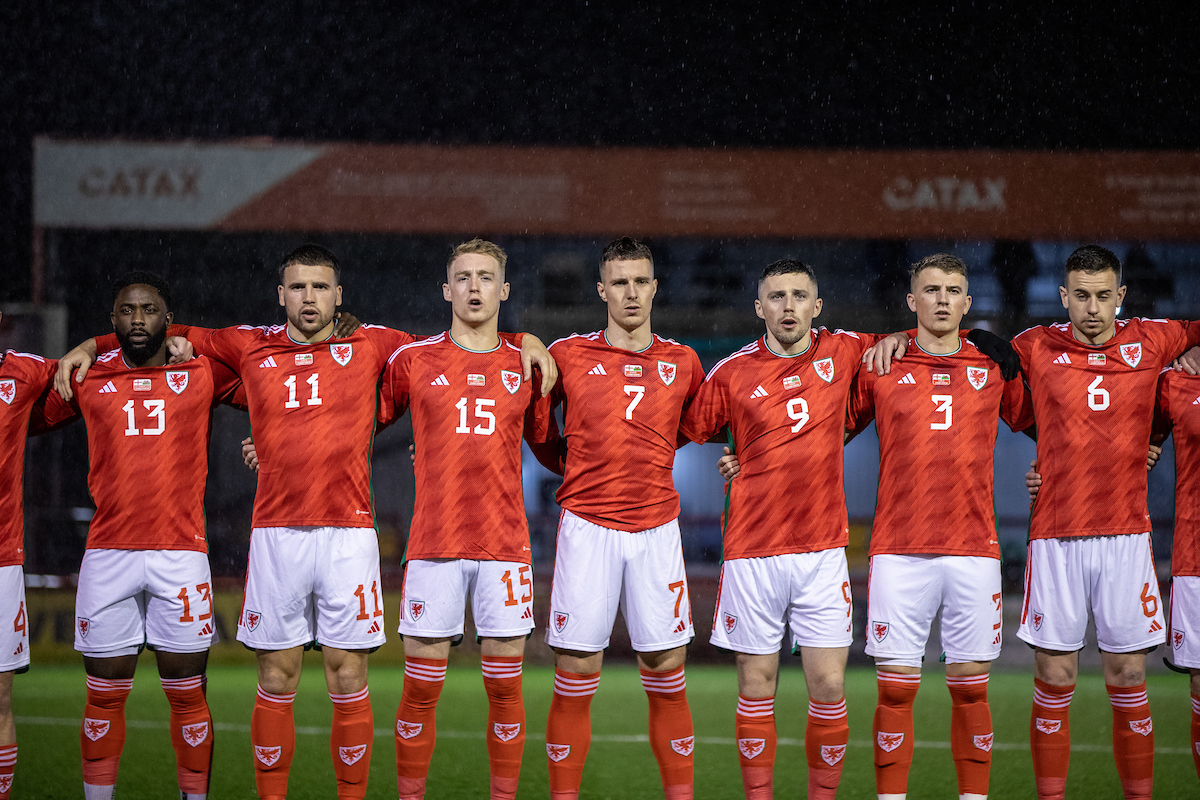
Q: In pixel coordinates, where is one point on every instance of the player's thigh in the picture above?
(819, 613)
(654, 599)
(277, 607)
(1054, 612)
(904, 593)
(433, 597)
(1125, 597)
(502, 599)
(588, 567)
(972, 610)
(348, 589)
(752, 603)
(14, 620)
(179, 601)
(110, 612)
(1185, 621)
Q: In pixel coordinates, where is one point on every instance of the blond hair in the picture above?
(482, 247)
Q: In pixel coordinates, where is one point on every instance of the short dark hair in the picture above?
(625, 249)
(311, 255)
(788, 266)
(1092, 258)
(943, 261)
(141, 276)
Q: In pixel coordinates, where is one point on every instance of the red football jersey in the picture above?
(312, 414)
(621, 413)
(25, 381)
(937, 416)
(1094, 407)
(788, 416)
(147, 449)
(1178, 413)
(469, 412)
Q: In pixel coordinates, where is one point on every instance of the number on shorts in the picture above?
(636, 393)
(205, 592)
(996, 598)
(19, 622)
(523, 580)
(362, 601)
(677, 586)
(846, 597)
(1149, 602)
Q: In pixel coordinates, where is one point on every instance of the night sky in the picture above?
(571, 73)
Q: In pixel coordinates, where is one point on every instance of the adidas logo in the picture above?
(1155, 627)
(1063, 359)
(440, 380)
(759, 392)
(908, 380)
(267, 363)
(597, 370)
(680, 628)
(206, 630)
(107, 388)
(374, 627)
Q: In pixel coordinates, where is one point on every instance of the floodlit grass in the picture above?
(49, 701)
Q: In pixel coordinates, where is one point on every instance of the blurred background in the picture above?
(204, 141)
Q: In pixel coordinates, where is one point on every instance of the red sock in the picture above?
(1196, 733)
(191, 732)
(893, 730)
(273, 737)
(416, 724)
(350, 741)
(569, 731)
(1133, 739)
(970, 732)
(103, 734)
(825, 740)
(506, 723)
(1050, 738)
(755, 730)
(8, 765)
(671, 735)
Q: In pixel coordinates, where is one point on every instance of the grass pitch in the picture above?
(48, 702)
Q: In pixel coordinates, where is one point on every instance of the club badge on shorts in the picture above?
(879, 630)
(177, 380)
(416, 609)
(1038, 618)
(1177, 639)
(85, 627)
(560, 621)
(342, 353)
(730, 622)
(252, 619)
(667, 372)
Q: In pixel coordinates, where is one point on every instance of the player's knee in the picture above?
(1195, 683)
(663, 660)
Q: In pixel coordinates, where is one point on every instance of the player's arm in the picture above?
(550, 447)
(81, 358)
(882, 350)
(998, 349)
(50, 411)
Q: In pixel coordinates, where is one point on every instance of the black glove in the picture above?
(997, 349)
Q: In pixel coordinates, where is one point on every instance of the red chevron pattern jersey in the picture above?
(312, 413)
(25, 381)
(469, 412)
(1178, 413)
(937, 417)
(147, 449)
(788, 416)
(621, 413)
(1094, 407)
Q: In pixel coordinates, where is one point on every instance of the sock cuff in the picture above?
(353, 697)
(281, 699)
(116, 685)
(898, 678)
(668, 682)
(955, 681)
(1124, 698)
(182, 684)
(426, 669)
(829, 711)
(1053, 697)
(572, 684)
(760, 708)
(8, 757)
(501, 667)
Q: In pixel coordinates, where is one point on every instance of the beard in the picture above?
(139, 354)
(788, 338)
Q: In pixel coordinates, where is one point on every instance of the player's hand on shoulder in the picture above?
(880, 355)
(347, 324)
(249, 454)
(1189, 362)
(81, 359)
(534, 352)
(180, 350)
(728, 465)
(998, 349)
(1033, 480)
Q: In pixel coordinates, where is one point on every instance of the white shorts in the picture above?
(1113, 576)
(434, 598)
(1185, 621)
(310, 584)
(127, 598)
(14, 638)
(905, 593)
(809, 592)
(598, 569)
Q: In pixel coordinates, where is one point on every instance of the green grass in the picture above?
(49, 701)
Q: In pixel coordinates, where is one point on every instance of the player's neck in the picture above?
(298, 336)
(1094, 341)
(481, 338)
(938, 344)
(637, 339)
(794, 349)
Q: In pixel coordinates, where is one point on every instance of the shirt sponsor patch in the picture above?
(791, 382)
(475, 379)
(633, 370)
(941, 379)
(1096, 359)
(141, 384)
(304, 359)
